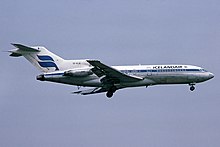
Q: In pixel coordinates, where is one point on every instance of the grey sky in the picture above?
(34, 113)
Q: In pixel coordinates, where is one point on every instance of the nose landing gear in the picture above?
(192, 87)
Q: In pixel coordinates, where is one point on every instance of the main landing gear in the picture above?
(111, 91)
(192, 87)
(109, 94)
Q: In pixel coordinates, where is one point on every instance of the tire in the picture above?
(192, 88)
(109, 94)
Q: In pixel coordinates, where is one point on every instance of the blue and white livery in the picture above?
(104, 78)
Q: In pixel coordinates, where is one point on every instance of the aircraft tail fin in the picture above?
(39, 56)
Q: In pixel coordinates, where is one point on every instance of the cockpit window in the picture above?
(203, 70)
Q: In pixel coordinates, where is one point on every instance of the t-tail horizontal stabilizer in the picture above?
(21, 49)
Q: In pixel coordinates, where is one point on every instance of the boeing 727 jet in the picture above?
(104, 78)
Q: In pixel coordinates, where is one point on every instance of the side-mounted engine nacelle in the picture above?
(78, 72)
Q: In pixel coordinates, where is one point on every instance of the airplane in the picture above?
(104, 78)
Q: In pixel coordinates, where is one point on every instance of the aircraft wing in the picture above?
(111, 74)
(91, 91)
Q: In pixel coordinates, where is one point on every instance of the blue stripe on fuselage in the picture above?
(159, 70)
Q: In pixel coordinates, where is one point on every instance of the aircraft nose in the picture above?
(211, 75)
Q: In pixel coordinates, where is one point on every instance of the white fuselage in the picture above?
(151, 74)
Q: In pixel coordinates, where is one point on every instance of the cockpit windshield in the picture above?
(203, 70)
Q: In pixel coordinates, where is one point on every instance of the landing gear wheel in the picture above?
(109, 94)
(111, 91)
(192, 88)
